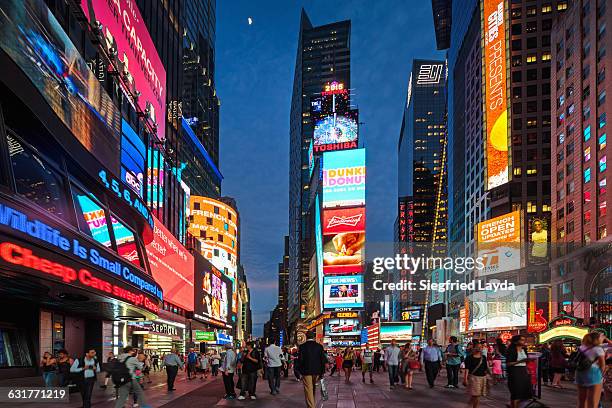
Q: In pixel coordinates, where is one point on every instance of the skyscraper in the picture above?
(323, 56)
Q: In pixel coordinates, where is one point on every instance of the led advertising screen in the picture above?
(344, 176)
(395, 330)
(319, 248)
(125, 31)
(498, 241)
(342, 327)
(172, 267)
(337, 131)
(213, 294)
(36, 42)
(343, 292)
(344, 220)
(133, 158)
(490, 310)
(496, 105)
(539, 237)
(343, 253)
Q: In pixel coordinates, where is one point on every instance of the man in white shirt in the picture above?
(274, 358)
(89, 368)
(392, 358)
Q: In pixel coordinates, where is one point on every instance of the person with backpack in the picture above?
(87, 369)
(454, 357)
(125, 372)
(590, 365)
(109, 359)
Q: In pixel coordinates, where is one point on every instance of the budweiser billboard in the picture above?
(344, 220)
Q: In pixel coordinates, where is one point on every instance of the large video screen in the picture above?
(343, 292)
(343, 253)
(133, 158)
(213, 294)
(32, 37)
(124, 30)
(500, 309)
(336, 128)
(395, 331)
(342, 327)
(344, 176)
(172, 267)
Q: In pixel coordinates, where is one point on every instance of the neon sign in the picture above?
(333, 88)
(18, 255)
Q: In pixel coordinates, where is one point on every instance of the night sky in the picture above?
(254, 74)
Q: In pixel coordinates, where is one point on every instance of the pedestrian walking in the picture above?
(295, 364)
(367, 365)
(519, 380)
(311, 363)
(392, 360)
(348, 357)
(454, 357)
(273, 356)
(215, 360)
(192, 362)
(204, 366)
(338, 360)
(410, 363)
(87, 368)
(110, 357)
(155, 362)
(251, 364)
(286, 362)
(134, 367)
(590, 370)
(64, 362)
(431, 359)
(558, 362)
(48, 364)
(497, 368)
(377, 356)
(228, 368)
(545, 357)
(475, 375)
(172, 362)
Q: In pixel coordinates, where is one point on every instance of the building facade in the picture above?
(323, 56)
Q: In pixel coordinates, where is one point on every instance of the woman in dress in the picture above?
(410, 362)
(347, 363)
(590, 379)
(49, 367)
(475, 375)
(519, 381)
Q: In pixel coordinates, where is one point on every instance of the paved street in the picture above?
(208, 393)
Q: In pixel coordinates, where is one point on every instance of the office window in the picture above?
(587, 197)
(531, 59)
(546, 8)
(603, 209)
(587, 154)
(531, 207)
(562, 5)
(602, 187)
(602, 141)
(587, 216)
(546, 56)
(587, 133)
(602, 164)
(587, 175)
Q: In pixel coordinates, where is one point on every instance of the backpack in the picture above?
(580, 362)
(119, 372)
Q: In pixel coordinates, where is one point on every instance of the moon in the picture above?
(250, 20)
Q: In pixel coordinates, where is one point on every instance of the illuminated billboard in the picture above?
(539, 237)
(342, 327)
(343, 253)
(344, 176)
(342, 292)
(133, 158)
(336, 132)
(32, 37)
(493, 310)
(395, 331)
(344, 220)
(215, 225)
(498, 241)
(172, 267)
(213, 294)
(319, 248)
(124, 30)
(496, 105)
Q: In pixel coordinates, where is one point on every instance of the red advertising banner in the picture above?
(125, 30)
(344, 220)
(172, 267)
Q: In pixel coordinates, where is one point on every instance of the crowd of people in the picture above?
(478, 365)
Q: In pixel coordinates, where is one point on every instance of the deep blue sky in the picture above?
(254, 75)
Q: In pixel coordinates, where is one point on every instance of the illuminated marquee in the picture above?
(496, 105)
(333, 88)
